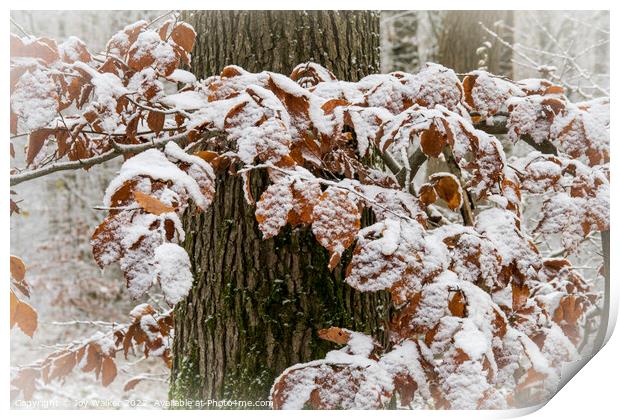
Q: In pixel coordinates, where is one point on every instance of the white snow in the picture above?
(173, 271)
(34, 100)
(153, 163)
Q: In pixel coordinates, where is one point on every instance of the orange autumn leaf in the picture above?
(184, 36)
(449, 189)
(335, 335)
(156, 120)
(336, 222)
(151, 204)
(23, 315)
(445, 186)
(432, 141)
(457, 304)
(207, 155)
(18, 268)
(131, 384)
(520, 294)
(108, 371)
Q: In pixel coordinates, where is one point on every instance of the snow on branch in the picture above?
(149, 330)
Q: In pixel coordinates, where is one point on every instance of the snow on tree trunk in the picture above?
(256, 305)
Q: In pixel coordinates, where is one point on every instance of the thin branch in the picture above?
(118, 150)
(416, 160)
(564, 252)
(20, 28)
(499, 126)
(391, 162)
(552, 75)
(160, 17)
(467, 207)
(79, 322)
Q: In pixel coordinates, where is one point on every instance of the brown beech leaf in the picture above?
(104, 242)
(108, 371)
(460, 357)
(310, 74)
(468, 84)
(18, 274)
(306, 195)
(141, 310)
(63, 365)
(93, 359)
(520, 295)
(329, 106)
(122, 196)
(448, 189)
(207, 155)
(151, 204)
(131, 384)
(432, 141)
(184, 36)
(155, 121)
(531, 378)
(427, 194)
(23, 315)
(43, 48)
(444, 186)
(406, 387)
(36, 140)
(125, 38)
(77, 51)
(230, 120)
(163, 31)
(25, 381)
(18, 268)
(569, 310)
(138, 61)
(13, 123)
(297, 105)
(335, 335)
(13, 308)
(457, 305)
(336, 222)
(273, 208)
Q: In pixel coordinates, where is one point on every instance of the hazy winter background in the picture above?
(52, 232)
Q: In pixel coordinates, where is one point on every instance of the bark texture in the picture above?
(256, 305)
(345, 42)
(462, 35)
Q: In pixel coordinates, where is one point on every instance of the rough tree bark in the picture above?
(256, 305)
(461, 35)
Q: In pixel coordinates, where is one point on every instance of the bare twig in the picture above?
(20, 28)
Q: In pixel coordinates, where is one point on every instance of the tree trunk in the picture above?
(346, 42)
(400, 45)
(256, 305)
(462, 35)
